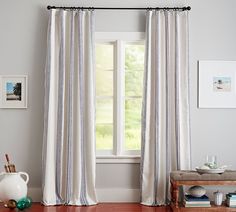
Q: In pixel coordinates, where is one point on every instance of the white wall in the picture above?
(212, 37)
(23, 26)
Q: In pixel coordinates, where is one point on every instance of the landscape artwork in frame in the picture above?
(217, 88)
(222, 84)
(13, 91)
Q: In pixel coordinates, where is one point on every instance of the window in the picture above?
(119, 79)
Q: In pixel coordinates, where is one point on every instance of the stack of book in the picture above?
(231, 200)
(191, 201)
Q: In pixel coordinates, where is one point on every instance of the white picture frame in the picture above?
(217, 84)
(13, 91)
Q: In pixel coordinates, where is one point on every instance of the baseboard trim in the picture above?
(103, 195)
(118, 195)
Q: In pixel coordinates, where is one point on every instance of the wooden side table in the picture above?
(190, 178)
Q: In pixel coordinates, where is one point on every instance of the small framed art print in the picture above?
(217, 84)
(13, 91)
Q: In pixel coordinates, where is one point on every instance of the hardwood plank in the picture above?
(102, 207)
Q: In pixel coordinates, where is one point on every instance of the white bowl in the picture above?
(197, 191)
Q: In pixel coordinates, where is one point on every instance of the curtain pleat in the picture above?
(165, 113)
(69, 130)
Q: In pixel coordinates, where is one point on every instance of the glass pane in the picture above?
(133, 109)
(104, 87)
(133, 83)
(104, 56)
(134, 66)
(104, 83)
(104, 111)
(104, 136)
(134, 57)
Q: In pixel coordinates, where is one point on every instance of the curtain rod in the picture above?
(119, 8)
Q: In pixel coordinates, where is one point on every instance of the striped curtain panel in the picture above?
(69, 132)
(165, 116)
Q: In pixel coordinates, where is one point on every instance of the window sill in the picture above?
(118, 159)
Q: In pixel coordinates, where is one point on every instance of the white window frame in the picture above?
(118, 154)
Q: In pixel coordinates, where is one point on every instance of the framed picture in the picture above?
(13, 91)
(217, 84)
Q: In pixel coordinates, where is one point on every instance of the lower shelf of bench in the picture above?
(222, 208)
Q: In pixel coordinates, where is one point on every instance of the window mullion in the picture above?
(119, 99)
(115, 101)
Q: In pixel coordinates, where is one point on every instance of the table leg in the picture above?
(174, 194)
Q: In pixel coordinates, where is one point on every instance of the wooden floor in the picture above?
(102, 207)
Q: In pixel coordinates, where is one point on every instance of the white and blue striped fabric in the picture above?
(165, 115)
(69, 132)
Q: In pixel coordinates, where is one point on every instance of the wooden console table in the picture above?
(190, 178)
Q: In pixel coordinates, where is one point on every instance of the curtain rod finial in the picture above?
(51, 7)
(188, 8)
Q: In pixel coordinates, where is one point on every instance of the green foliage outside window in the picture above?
(134, 66)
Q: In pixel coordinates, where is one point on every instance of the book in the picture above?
(192, 198)
(231, 201)
(196, 202)
(200, 206)
(232, 194)
(233, 197)
(197, 205)
(191, 201)
(231, 204)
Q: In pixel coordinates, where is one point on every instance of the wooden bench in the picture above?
(190, 178)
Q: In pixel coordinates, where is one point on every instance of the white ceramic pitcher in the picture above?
(13, 186)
